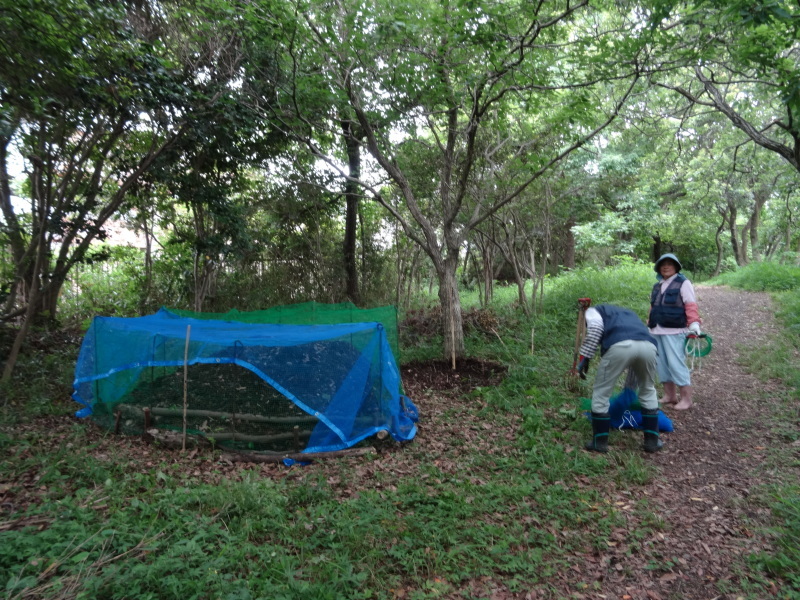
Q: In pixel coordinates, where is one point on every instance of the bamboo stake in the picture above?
(185, 384)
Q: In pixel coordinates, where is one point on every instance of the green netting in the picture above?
(310, 313)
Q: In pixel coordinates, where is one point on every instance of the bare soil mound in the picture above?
(439, 375)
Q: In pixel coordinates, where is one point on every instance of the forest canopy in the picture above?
(222, 154)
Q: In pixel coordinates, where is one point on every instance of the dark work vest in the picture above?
(667, 309)
(620, 324)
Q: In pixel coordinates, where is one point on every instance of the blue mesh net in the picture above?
(261, 387)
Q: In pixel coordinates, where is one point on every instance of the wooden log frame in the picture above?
(178, 412)
(165, 436)
(172, 439)
(235, 436)
(265, 457)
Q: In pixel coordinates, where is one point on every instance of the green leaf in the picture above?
(80, 557)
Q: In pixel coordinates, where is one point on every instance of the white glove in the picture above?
(695, 328)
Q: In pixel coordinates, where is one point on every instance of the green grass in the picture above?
(762, 277)
(785, 531)
(517, 514)
(114, 532)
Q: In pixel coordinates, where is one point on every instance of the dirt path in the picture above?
(716, 456)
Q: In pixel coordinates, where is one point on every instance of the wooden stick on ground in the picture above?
(583, 304)
(299, 456)
(177, 412)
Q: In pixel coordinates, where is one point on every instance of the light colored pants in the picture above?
(639, 356)
(672, 359)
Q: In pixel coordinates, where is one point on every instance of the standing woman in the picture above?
(673, 314)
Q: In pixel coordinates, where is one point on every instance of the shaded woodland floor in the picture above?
(720, 452)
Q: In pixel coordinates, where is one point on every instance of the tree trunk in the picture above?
(205, 279)
(398, 267)
(744, 243)
(569, 245)
(521, 296)
(508, 249)
(413, 275)
(30, 311)
(477, 272)
(733, 234)
(48, 299)
(351, 198)
(148, 268)
(484, 271)
(533, 275)
(451, 312)
(755, 251)
(718, 241)
(657, 247)
(761, 196)
(770, 248)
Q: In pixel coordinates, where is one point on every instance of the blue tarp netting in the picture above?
(311, 388)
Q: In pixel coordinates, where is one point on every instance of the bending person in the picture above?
(625, 343)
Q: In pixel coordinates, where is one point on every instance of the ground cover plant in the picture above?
(493, 499)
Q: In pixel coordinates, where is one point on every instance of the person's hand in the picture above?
(694, 328)
(583, 367)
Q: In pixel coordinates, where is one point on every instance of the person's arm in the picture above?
(594, 333)
(690, 307)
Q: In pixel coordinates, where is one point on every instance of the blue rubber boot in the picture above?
(652, 443)
(601, 423)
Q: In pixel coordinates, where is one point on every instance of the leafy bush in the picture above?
(111, 288)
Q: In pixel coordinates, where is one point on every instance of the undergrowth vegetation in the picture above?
(518, 509)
